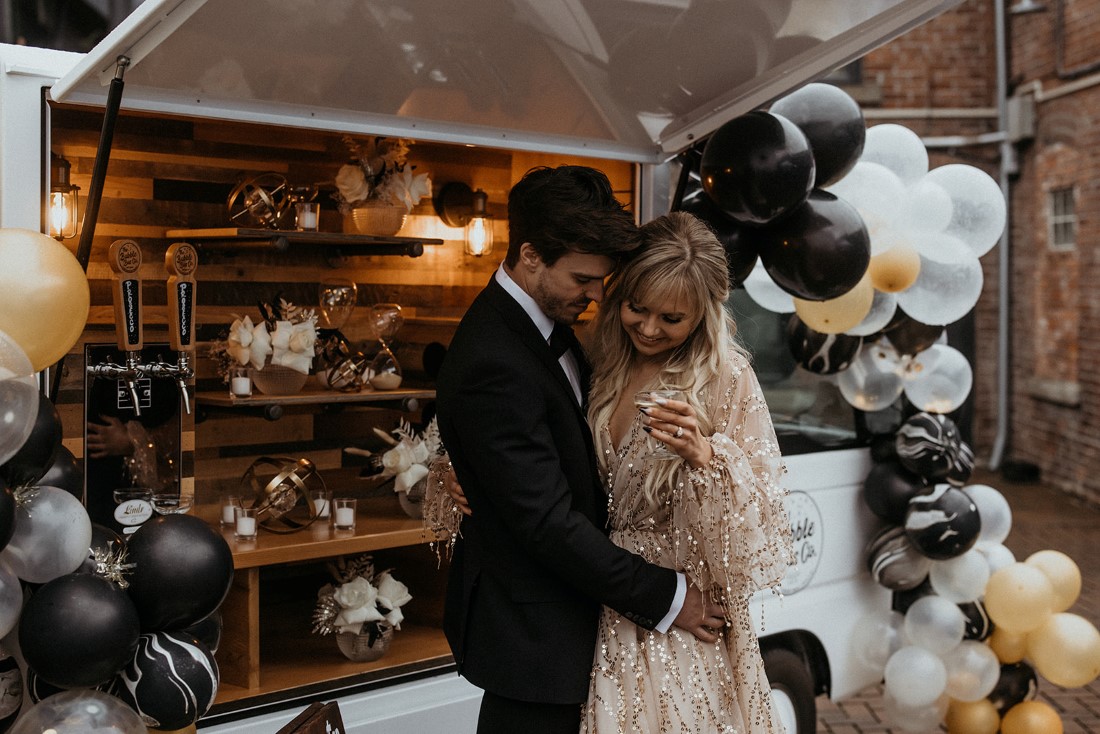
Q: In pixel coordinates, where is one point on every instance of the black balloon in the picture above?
(757, 167)
(894, 562)
(208, 631)
(78, 630)
(823, 354)
(832, 122)
(819, 251)
(39, 688)
(735, 238)
(888, 488)
(171, 680)
(943, 523)
(910, 337)
(930, 446)
(64, 473)
(104, 542)
(1018, 683)
(182, 571)
(39, 450)
(7, 513)
(883, 449)
(978, 624)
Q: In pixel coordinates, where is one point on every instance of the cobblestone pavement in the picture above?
(1042, 518)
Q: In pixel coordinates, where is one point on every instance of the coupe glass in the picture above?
(658, 450)
(337, 301)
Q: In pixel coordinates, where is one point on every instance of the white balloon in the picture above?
(996, 555)
(18, 397)
(883, 306)
(944, 292)
(876, 637)
(914, 719)
(961, 579)
(935, 624)
(873, 380)
(897, 148)
(915, 677)
(762, 289)
(995, 512)
(876, 193)
(972, 671)
(938, 379)
(939, 246)
(52, 536)
(978, 205)
(928, 207)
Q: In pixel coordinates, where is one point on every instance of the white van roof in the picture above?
(637, 80)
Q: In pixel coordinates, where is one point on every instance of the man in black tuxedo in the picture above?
(534, 562)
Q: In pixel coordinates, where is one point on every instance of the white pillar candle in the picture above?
(241, 386)
(228, 514)
(246, 526)
(345, 517)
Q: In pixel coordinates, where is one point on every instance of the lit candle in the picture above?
(241, 386)
(345, 517)
(246, 525)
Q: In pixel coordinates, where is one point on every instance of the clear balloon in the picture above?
(972, 671)
(978, 205)
(873, 381)
(960, 579)
(928, 207)
(1018, 598)
(898, 149)
(18, 397)
(943, 292)
(1064, 576)
(1065, 650)
(883, 306)
(934, 624)
(876, 637)
(80, 711)
(44, 295)
(995, 513)
(915, 677)
(52, 536)
(972, 717)
(914, 719)
(837, 315)
(938, 379)
(11, 599)
(895, 269)
(762, 289)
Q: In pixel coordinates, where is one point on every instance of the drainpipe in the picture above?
(1008, 166)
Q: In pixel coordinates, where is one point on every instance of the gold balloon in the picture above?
(1018, 597)
(1064, 576)
(895, 269)
(1065, 650)
(44, 295)
(972, 717)
(837, 314)
(1031, 717)
(1010, 647)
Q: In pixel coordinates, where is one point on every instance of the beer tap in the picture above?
(181, 261)
(124, 257)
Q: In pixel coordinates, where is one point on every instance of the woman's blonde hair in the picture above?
(680, 258)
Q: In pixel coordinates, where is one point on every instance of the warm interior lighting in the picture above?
(458, 206)
(64, 200)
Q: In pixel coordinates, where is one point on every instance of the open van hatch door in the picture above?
(637, 80)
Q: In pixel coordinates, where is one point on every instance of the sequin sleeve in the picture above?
(730, 526)
(441, 515)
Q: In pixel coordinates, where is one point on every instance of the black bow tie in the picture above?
(562, 339)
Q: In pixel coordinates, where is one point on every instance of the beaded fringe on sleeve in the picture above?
(441, 514)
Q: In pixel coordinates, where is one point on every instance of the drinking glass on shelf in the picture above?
(230, 503)
(658, 450)
(170, 503)
(336, 297)
(344, 516)
(246, 523)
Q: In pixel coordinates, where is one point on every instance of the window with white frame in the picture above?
(1062, 219)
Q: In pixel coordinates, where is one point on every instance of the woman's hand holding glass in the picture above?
(673, 423)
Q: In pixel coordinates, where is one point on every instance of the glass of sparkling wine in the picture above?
(658, 450)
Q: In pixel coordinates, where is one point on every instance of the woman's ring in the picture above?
(679, 432)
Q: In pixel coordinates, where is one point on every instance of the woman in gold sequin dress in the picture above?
(715, 513)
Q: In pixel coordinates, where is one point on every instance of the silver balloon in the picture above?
(897, 148)
(935, 624)
(52, 536)
(18, 397)
(915, 677)
(961, 579)
(873, 380)
(943, 292)
(978, 205)
(80, 711)
(938, 379)
(762, 289)
(882, 310)
(995, 512)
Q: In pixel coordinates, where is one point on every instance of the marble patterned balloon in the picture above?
(929, 445)
(978, 624)
(822, 354)
(894, 562)
(171, 681)
(943, 523)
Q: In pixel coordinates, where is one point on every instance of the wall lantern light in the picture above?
(64, 200)
(458, 206)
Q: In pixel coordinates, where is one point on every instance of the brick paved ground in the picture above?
(1042, 518)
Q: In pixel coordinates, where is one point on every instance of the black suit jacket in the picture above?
(534, 562)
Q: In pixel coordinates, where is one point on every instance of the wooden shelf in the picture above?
(270, 406)
(238, 238)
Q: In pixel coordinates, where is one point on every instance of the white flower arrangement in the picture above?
(380, 172)
(361, 600)
(287, 334)
(411, 454)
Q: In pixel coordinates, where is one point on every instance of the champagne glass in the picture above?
(657, 450)
(337, 301)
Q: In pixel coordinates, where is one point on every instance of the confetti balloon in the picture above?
(894, 562)
(81, 711)
(942, 523)
(873, 381)
(938, 379)
(171, 680)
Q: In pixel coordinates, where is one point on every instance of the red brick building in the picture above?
(941, 81)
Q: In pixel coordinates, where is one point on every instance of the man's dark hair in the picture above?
(568, 209)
